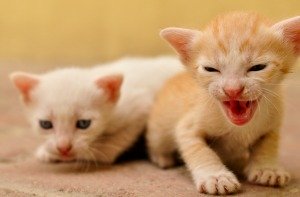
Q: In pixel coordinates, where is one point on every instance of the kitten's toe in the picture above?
(269, 177)
(163, 160)
(219, 185)
(44, 156)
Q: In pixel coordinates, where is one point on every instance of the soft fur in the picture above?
(197, 111)
(116, 97)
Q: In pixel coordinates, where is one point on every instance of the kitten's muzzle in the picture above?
(233, 93)
(64, 150)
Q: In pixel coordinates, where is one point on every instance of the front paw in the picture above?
(219, 183)
(268, 176)
(163, 161)
(43, 155)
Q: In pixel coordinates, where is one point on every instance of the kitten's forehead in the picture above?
(68, 87)
(236, 24)
(62, 79)
(239, 38)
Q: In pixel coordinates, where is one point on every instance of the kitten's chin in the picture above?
(239, 112)
(67, 157)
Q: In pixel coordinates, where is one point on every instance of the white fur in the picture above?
(66, 95)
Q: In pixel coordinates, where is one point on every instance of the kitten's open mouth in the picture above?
(240, 112)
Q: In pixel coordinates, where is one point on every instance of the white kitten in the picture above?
(95, 113)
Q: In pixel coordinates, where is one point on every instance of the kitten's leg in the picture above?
(107, 150)
(209, 173)
(160, 144)
(263, 167)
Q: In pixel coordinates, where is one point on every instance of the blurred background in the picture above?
(63, 32)
(39, 35)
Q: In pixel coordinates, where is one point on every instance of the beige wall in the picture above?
(86, 31)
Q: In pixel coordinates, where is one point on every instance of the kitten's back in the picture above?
(142, 72)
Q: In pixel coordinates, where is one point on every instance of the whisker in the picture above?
(270, 102)
(93, 157)
(97, 151)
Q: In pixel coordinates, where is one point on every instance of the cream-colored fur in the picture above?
(116, 97)
(189, 114)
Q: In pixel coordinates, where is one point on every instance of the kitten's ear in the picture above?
(24, 82)
(111, 85)
(290, 29)
(180, 39)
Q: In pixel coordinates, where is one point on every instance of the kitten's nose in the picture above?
(64, 149)
(233, 93)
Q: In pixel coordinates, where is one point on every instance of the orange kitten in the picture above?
(226, 109)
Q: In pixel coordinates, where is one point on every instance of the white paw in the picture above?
(43, 155)
(219, 184)
(272, 176)
(163, 161)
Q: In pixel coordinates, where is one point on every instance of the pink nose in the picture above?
(233, 93)
(64, 150)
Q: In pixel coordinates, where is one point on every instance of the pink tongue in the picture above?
(238, 107)
(239, 112)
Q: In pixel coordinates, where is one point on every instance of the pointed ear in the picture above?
(111, 85)
(181, 40)
(24, 82)
(290, 29)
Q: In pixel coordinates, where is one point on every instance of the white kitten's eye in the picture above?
(210, 69)
(257, 67)
(46, 124)
(83, 124)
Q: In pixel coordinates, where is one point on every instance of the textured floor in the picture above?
(22, 175)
